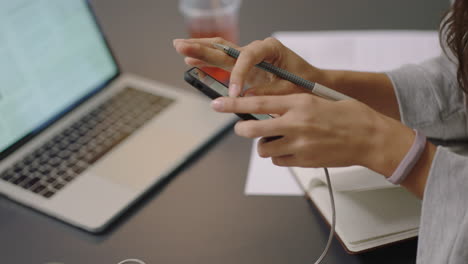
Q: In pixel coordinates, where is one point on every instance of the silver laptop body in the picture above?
(79, 140)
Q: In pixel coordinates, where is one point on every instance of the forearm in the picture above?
(373, 89)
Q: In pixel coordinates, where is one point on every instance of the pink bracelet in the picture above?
(409, 160)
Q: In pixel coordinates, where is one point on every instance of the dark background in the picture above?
(202, 215)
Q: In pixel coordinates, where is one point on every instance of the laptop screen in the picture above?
(52, 56)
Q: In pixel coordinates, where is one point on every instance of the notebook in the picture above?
(371, 212)
(80, 140)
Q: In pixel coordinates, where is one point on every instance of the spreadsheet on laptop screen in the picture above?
(52, 54)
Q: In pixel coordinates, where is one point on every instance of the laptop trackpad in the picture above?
(159, 147)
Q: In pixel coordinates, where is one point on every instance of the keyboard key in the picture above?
(20, 179)
(64, 154)
(59, 186)
(7, 175)
(44, 159)
(79, 167)
(28, 159)
(50, 179)
(55, 161)
(29, 183)
(39, 188)
(74, 136)
(67, 177)
(45, 169)
(48, 193)
(54, 151)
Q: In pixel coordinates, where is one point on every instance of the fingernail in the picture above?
(234, 90)
(177, 41)
(217, 104)
(249, 94)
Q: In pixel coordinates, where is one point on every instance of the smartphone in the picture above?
(214, 89)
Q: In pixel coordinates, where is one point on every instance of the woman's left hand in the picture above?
(319, 133)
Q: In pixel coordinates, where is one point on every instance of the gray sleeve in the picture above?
(443, 233)
(429, 98)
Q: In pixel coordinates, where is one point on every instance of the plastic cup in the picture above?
(212, 18)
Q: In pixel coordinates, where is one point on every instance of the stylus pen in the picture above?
(315, 88)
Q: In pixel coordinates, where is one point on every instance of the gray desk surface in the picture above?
(202, 215)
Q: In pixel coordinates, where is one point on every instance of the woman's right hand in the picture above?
(201, 52)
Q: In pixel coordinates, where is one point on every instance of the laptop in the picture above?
(80, 140)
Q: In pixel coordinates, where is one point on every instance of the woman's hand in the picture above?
(315, 132)
(200, 52)
(321, 133)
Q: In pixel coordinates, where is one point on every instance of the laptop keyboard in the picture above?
(58, 161)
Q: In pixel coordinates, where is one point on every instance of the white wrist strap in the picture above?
(410, 159)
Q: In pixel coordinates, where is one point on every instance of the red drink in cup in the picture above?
(212, 18)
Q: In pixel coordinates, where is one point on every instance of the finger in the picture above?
(251, 54)
(285, 161)
(209, 42)
(256, 128)
(280, 87)
(275, 148)
(195, 62)
(203, 52)
(204, 42)
(253, 105)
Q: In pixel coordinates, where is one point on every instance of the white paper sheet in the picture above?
(348, 50)
(362, 50)
(265, 178)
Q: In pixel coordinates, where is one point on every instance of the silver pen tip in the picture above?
(221, 46)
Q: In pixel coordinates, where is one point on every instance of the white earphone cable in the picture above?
(332, 203)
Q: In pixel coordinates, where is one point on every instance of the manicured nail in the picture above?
(217, 104)
(234, 90)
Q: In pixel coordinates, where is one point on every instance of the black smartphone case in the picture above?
(210, 92)
(213, 95)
